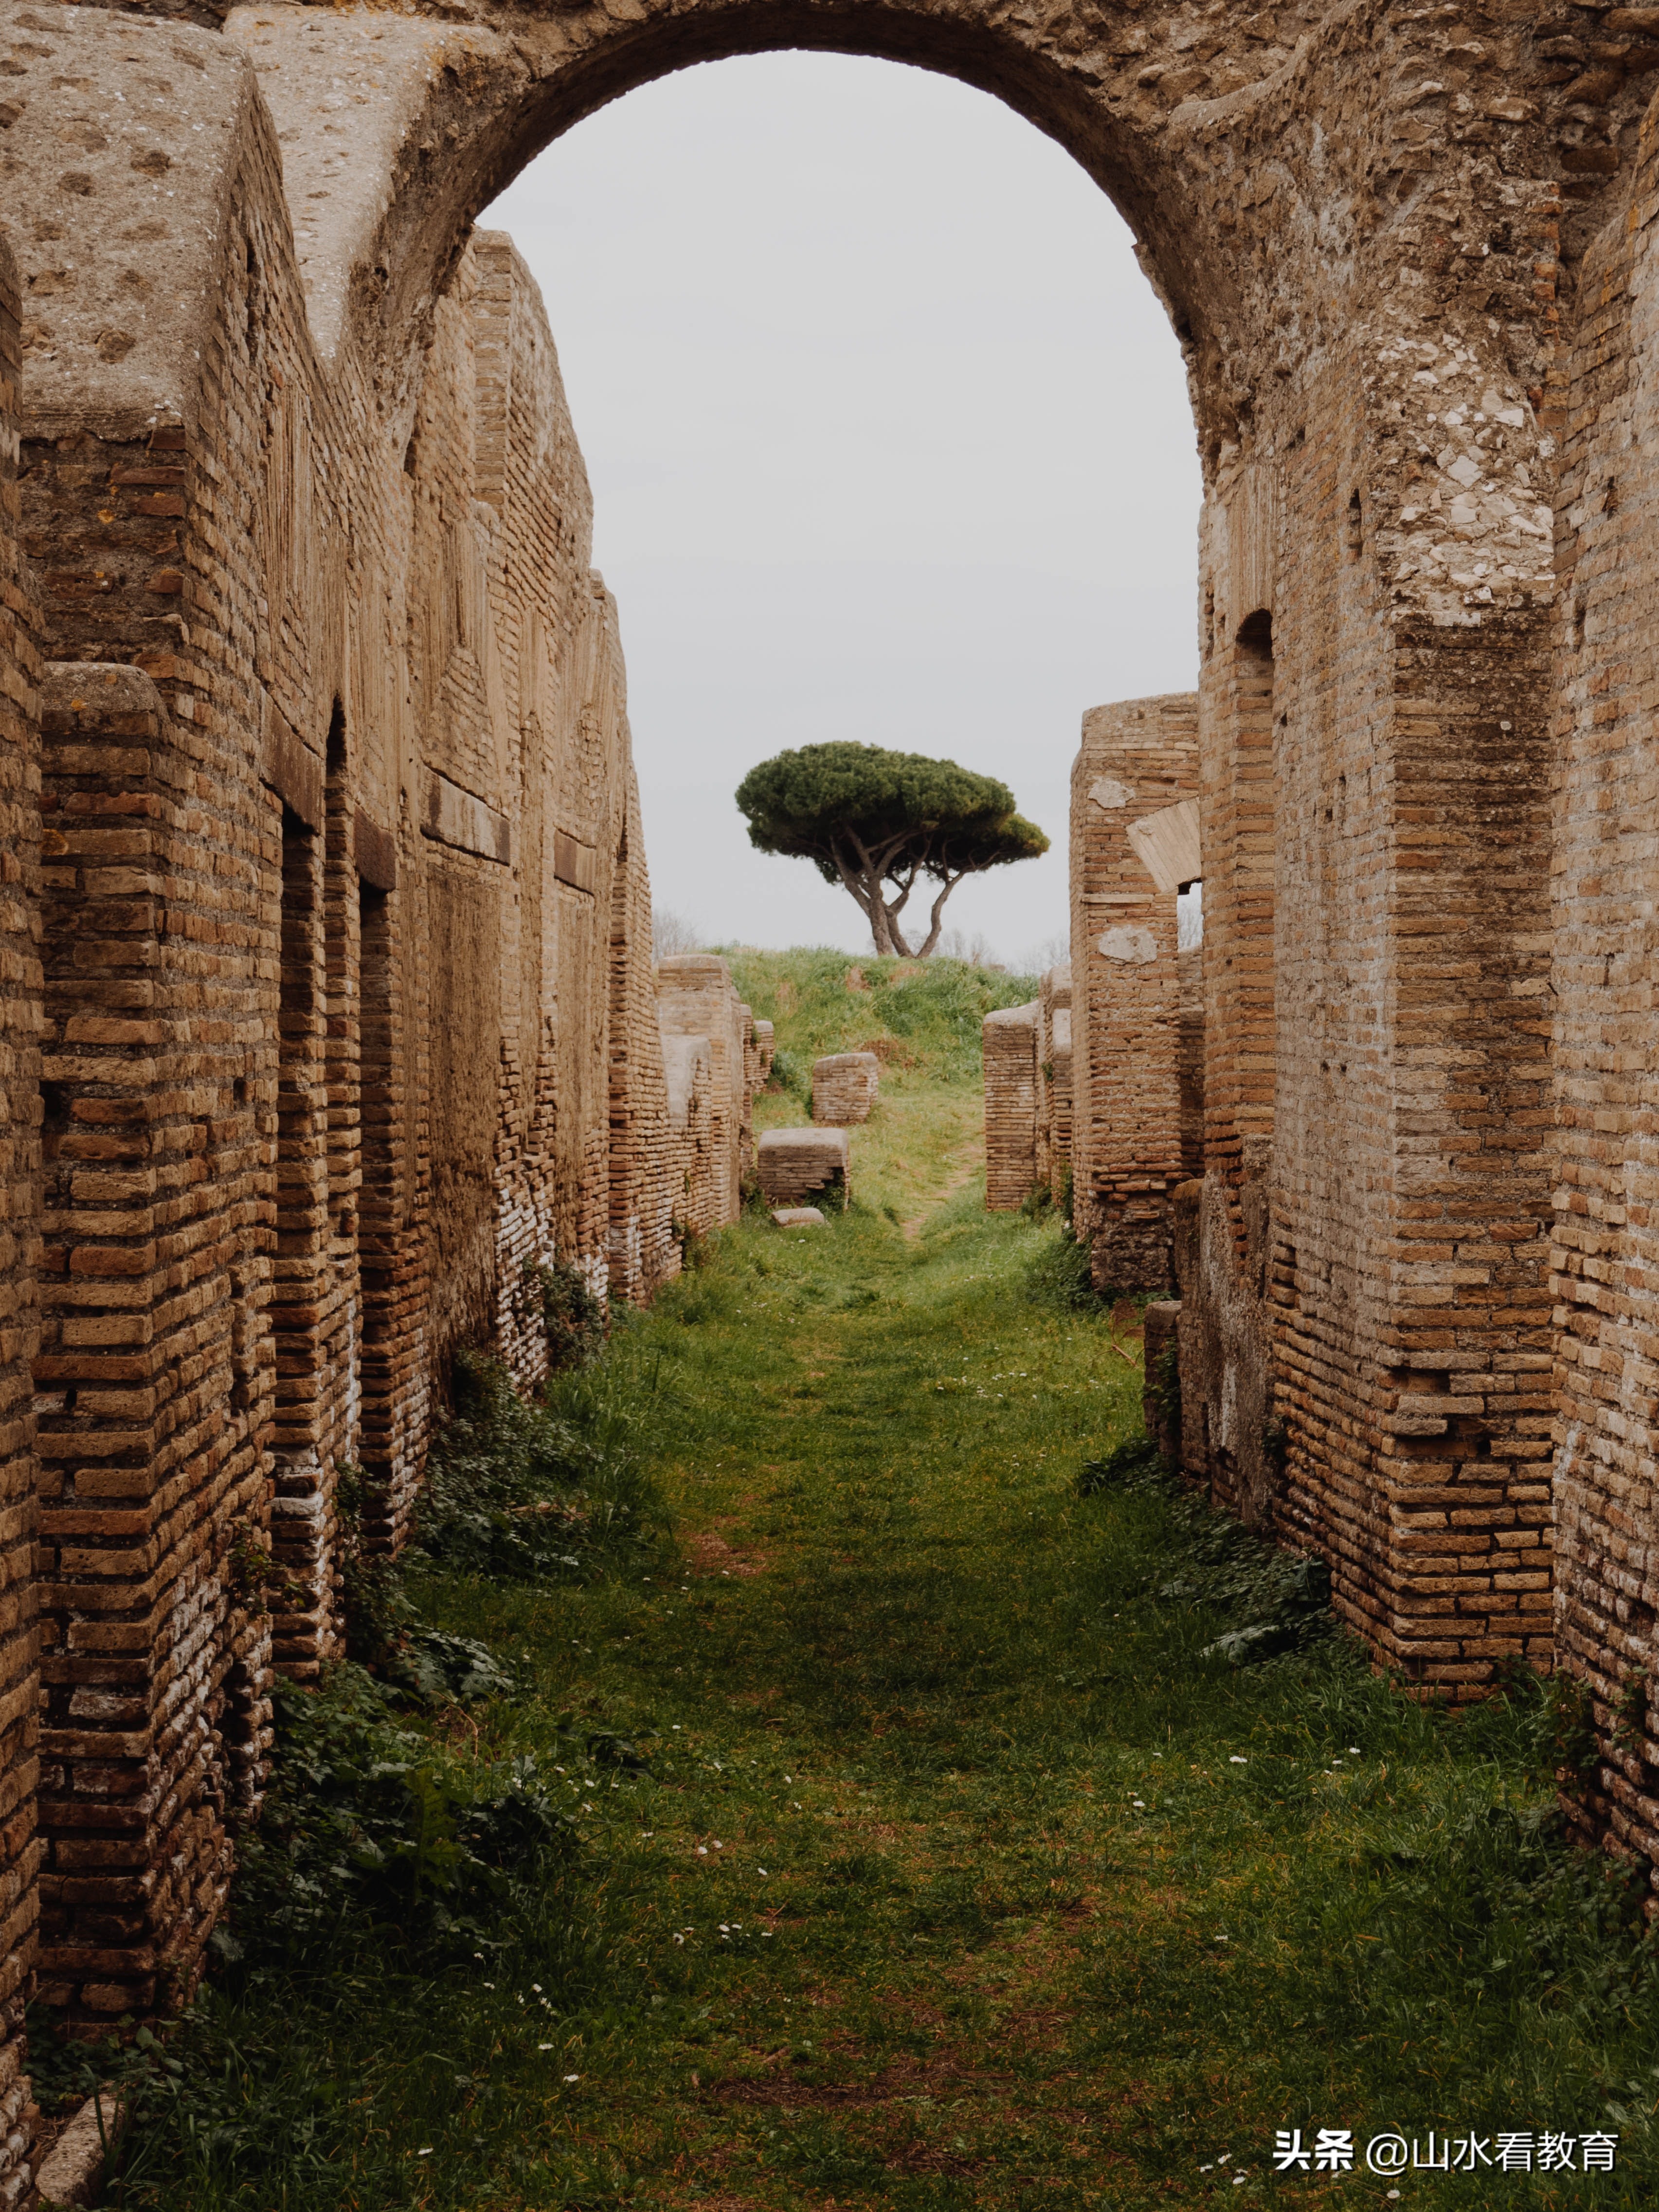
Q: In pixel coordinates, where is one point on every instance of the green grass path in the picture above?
(958, 1878)
(955, 1876)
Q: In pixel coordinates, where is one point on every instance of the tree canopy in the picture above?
(867, 818)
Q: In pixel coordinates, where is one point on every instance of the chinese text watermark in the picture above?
(1506, 2150)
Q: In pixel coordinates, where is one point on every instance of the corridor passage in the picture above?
(961, 1814)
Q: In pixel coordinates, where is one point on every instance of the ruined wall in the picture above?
(336, 809)
(1599, 992)
(1137, 760)
(347, 987)
(697, 1000)
(20, 1253)
(1373, 827)
(1053, 1080)
(1009, 1055)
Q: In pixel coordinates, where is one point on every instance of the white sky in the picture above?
(889, 439)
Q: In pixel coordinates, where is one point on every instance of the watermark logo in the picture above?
(1506, 2150)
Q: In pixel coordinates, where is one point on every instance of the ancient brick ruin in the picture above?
(845, 1085)
(1053, 1045)
(1009, 1055)
(326, 1001)
(1026, 1055)
(327, 1010)
(1134, 791)
(795, 1165)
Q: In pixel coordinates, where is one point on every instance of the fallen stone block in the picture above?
(73, 2171)
(799, 1216)
(793, 1165)
(844, 1087)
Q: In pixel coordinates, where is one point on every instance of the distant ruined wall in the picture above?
(1053, 1080)
(710, 1030)
(1009, 1053)
(1137, 760)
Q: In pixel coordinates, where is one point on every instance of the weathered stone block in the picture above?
(795, 1165)
(844, 1087)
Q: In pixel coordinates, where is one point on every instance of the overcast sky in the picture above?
(889, 439)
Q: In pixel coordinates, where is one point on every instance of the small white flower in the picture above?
(679, 1939)
(762, 1869)
(537, 1987)
(1353, 1751)
(426, 2153)
(1236, 1760)
(570, 2077)
(489, 1986)
(703, 1851)
(544, 2046)
(718, 1845)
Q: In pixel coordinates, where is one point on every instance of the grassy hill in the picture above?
(922, 1019)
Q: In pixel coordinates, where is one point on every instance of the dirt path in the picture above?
(968, 1161)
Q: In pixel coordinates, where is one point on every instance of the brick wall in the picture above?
(1597, 996)
(350, 1018)
(710, 1034)
(19, 1241)
(1009, 1051)
(1053, 1080)
(346, 1012)
(1136, 759)
(1365, 1261)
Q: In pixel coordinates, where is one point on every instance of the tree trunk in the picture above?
(939, 910)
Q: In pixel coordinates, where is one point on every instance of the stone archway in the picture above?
(268, 431)
(1365, 226)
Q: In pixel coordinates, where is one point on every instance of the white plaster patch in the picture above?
(1108, 793)
(1128, 942)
